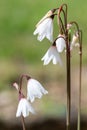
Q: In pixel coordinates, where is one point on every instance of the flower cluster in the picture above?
(44, 28)
(67, 39)
(34, 90)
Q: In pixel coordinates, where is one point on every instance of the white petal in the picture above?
(45, 29)
(50, 31)
(60, 44)
(48, 14)
(35, 32)
(74, 40)
(56, 57)
(24, 107)
(52, 54)
(34, 90)
(46, 58)
(40, 37)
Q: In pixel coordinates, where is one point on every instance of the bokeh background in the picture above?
(21, 53)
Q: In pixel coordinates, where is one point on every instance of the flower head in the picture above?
(75, 41)
(34, 90)
(24, 107)
(47, 15)
(52, 54)
(45, 27)
(60, 43)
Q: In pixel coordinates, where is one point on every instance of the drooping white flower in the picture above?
(52, 54)
(24, 107)
(34, 90)
(47, 15)
(75, 41)
(60, 43)
(45, 27)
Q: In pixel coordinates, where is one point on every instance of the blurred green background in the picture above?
(20, 52)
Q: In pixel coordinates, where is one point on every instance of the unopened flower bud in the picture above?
(16, 85)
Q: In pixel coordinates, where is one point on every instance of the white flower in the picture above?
(24, 107)
(60, 43)
(34, 90)
(45, 27)
(52, 54)
(75, 41)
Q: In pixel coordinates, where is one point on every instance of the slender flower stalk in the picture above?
(68, 64)
(68, 86)
(80, 82)
(79, 33)
(23, 122)
(68, 69)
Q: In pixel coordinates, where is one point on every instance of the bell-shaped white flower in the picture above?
(75, 41)
(24, 107)
(52, 54)
(34, 90)
(47, 15)
(60, 43)
(45, 27)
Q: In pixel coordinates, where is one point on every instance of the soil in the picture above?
(44, 124)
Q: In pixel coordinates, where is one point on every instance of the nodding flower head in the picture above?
(34, 90)
(47, 15)
(60, 43)
(24, 107)
(45, 27)
(75, 40)
(52, 54)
